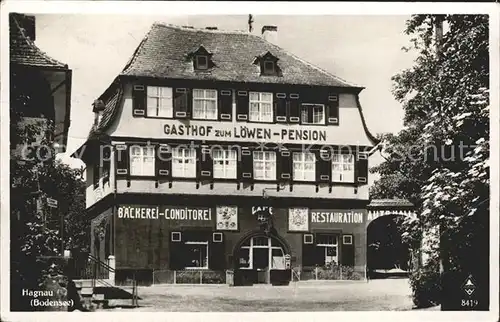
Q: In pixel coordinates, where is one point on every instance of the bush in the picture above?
(426, 285)
(338, 272)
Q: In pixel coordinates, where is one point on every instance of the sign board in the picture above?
(51, 203)
(328, 218)
(201, 215)
(253, 132)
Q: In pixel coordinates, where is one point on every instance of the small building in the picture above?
(218, 150)
(40, 86)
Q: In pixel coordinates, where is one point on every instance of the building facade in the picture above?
(216, 150)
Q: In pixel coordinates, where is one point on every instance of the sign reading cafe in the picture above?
(243, 132)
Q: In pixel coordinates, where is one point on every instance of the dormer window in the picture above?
(201, 59)
(201, 62)
(269, 68)
(268, 64)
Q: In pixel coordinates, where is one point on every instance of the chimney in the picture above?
(270, 33)
(98, 108)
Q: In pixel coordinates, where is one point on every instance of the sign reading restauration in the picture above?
(243, 132)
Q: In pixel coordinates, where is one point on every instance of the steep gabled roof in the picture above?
(23, 50)
(162, 54)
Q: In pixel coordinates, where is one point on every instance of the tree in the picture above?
(35, 227)
(440, 159)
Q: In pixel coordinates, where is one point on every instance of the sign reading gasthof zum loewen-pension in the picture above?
(244, 132)
(165, 212)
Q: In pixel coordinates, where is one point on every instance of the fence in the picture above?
(189, 277)
(336, 272)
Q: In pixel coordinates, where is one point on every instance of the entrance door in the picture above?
(261, 254)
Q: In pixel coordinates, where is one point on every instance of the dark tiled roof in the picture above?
(164, 50)
(108, 114)
(387, 203)
(23, 50)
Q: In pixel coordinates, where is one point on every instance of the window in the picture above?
(142, 161)
(327, 249)
(183, 163)
(159, 101)
(347, 239)
(312, 114)
(261, 107)
(304, 166)
(224, 164)
(201, 62)
(343, 168)
(205, 104)
(268, 67)
(196, 253)
(264, 164)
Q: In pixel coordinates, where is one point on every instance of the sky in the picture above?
(364, 50)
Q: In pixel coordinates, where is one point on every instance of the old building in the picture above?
(216, 150)
(40, 86)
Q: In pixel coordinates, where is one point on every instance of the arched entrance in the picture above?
(387, 255)
(261, 258)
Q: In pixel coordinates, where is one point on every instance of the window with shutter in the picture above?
(225, 105)
(164, 162)
(205, 168)
(312, 114)
(264, 165)
(122, 160)
(323, 166)
(138, 100)
(181, 103)
(225, 163)
(217, 257)
(245, 171)
(183, 162)
(362, 169)
(284, 166)
(343, 168)
(242, 106)
(304, 166)
(142, 160)
(260, 107)
(293, 108)
(333, 109)
(280, 108)
(347, 251)
(205, 104)
(159, 102)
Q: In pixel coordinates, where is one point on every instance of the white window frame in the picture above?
(146, 161)
(258, 115)
(342, 175)
(206, 266)
(155, 92)
(201, 66)
(251, 246)
(302, 174)
(229, 166)
(204, 99)
(185, 171)
(266, 159)
(305, 107)
(330, 245)
(344, 242)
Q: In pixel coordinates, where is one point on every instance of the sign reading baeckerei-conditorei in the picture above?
(165, 212)
(244, 132)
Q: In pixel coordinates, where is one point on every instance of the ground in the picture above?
(375, 295)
